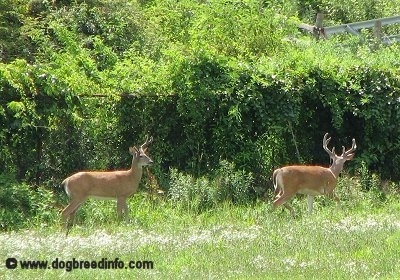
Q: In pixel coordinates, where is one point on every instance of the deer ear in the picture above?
(133, 150)
(350, 156)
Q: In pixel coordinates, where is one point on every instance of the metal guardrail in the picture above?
(390, 39)
(360, 25)
(352, 28)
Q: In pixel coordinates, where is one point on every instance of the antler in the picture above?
(325, 143)
(349, 152)
(146, 143)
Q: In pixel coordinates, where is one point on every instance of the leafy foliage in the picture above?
(80, 81)
(199, 194)
(19, 203)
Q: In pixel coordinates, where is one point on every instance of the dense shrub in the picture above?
(211, 81)
(20, 205)
(226, 185)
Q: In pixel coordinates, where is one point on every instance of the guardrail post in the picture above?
(377, 34)
(319, 31)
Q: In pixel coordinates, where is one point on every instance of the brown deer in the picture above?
(310, 180)
(117, 185)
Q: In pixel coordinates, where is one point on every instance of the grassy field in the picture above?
(359, 240)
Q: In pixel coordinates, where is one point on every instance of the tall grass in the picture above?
(231, 242)
(360, 239)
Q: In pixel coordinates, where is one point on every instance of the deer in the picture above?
(118, 185)
(310, 180)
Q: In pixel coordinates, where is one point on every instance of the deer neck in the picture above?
(136, 170)
(336, 169)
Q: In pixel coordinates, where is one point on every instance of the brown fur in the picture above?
(309, 180)
(117, 185)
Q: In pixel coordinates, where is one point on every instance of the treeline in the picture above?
(81, 81)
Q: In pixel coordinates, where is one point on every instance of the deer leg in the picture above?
(122, 209)
(290, 208)
(70, 210)
(73, 215)
(284, 197)
(310, 201)
(277, 192)
(71, 219)
(336, 198)
(68, 214)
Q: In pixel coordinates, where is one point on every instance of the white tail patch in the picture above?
(67, 189)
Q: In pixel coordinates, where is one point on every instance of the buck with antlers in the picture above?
(310, 180)
(117, 185)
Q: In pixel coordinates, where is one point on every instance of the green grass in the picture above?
(359, 240)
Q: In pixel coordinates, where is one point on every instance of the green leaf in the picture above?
(16, 106)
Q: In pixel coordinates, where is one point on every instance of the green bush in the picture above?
(209, 80)
(198, 194)
(233, 185)
(189, 193)
(22, 205)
